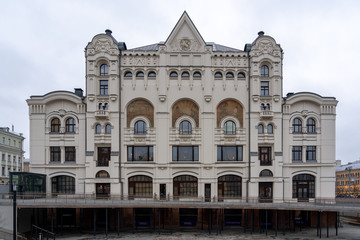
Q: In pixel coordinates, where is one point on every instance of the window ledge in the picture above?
(139, 162)
(185, 162)
(229, 162)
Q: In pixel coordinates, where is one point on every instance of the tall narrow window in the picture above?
(264, 71)
(297, 125)
(265, 156)
(98, 129)
(310, 153)
(107, 129)
(229, 128)
(55, 125)
(261, 129)
(185, 128)
(104, 87)
(310, 125)
(270, 129)
(140, 128)
(264, 88)
(104, 154)
(55, 154)
(70, 125)
(296, 153)
(70, 154)
(104, 70)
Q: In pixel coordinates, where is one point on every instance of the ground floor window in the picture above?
(185, 186)
(229, 186)
(62, 185)
(303, 186)
(102, 190)
(140, 186)
(265, 191)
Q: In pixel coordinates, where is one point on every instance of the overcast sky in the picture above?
(42, 46)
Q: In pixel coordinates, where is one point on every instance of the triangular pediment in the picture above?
(185, 37)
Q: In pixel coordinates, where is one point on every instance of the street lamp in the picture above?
(349, 169)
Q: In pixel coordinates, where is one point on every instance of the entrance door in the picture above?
(207, 192)
(102, 190)
(162, 191)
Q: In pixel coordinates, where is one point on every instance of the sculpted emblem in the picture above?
(185, 44)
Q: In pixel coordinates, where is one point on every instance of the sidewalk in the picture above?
(345, 232)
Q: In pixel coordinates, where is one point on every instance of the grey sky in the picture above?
(42, 46)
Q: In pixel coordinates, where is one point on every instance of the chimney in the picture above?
(108, 31)
(261, 33)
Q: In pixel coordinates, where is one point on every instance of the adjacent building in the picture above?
(11, 153)
(185, 119)
(348, 179)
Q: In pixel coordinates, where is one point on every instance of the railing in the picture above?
(40, 233)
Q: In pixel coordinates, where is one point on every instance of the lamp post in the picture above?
(349, 169)
(14, 211)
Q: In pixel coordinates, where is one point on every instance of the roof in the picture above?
(352, 165)
(215, 47)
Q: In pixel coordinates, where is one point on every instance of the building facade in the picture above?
(348, 179)
(185, 119)
(11, 153)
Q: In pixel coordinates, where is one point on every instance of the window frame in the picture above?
(265, 155)
(55, 127)
(104, 87)
(197, 74)
(128, 74)
(132, 152)
(185, 74)
(270, 129)
(140, 128)
(70, 154)
(140, 186)
(264, 71)
(185, 186)
(107, 129)
(229, 75)
(310, 153)
(185, 128)
(173, 74)
(260, 129)
(70, 125)
(55, 154)
(152, 74)
(232, 131)
(241, 75)
(224, 150)
(297, 125)
(98, 128)
(264, 88)
(140, 74)
(296, 153)
(310, 125)
(218, 74)
(104, 70)
(180, 151)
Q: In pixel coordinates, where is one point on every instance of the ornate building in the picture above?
(185, 119)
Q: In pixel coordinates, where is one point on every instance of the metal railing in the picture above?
(40, 233)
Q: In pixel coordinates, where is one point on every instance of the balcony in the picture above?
(102, 114)
(266, 114)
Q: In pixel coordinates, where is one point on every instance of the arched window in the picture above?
(185, 128)
(140, 74)
(104, 70)
(185, 74)
(303, 187)
(152, 74)
(229, 75)
(107, 129)
(229, 128)
(185, 186)
(102, 174)
(267, 106)
(241, 75)
(197, 75)
(270, 129)
(310, 125)
(70, 125)
(297, 125)
(262, 106)
(100, 106)
(55, 125)
(140, 186)
(98, 129)
(266, 173)
(229, 186)
(261, 129)
(140, 128)
(63, 184)
(173, 74)
(218, 75)
(128, 74)
(264, 71)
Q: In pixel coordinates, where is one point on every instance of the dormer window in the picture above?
(264, 71)
(128, 74)
(104, 70)
(185, 128)
(98, 129)
(229, 75)
(218, 75)
(173, 74)
(152, 74)
(140, 74)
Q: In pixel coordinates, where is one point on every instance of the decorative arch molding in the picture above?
(55, 174)
(304, 172)
(229, 172)
(230, 107)
(136, 173)
(139, 107)
(185, 107)
(102, 174)
(230, 118)
(180, 173)
(138, 118)
(100, 61)
(183, 118)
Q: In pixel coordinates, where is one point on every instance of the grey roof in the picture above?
(353, 165)
(215, 47)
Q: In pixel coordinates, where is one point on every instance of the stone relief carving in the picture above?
(185, 45)
(102, 45)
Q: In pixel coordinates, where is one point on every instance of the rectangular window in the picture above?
(140, 153)
(264, 89)
(310, 153)
(70, 154)
(296, 153)
(3, 140)
(185, 153)
(265, 156)
(55, 154)
(230, 153)
(104, 154)
(104, 87)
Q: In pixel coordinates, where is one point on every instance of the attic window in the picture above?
(229, 75)
(185, 74)
(140, 74)
(173, 74)
(218, 75)
(197, 75)
(241, 75)
(128, 74)
(152, 74)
